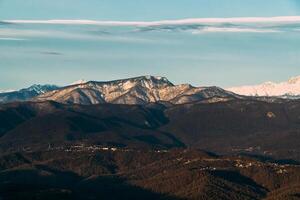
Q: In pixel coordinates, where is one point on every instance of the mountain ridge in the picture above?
(213, 144)
(149, 89)
(137, 90)
(225, 127)
(26, 93)
(286, 89)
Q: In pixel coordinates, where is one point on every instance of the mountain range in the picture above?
(146, 138)
(225, 127)
(148, 89)
(287, 89)
(234, 149)
(26, 93)
(138, 90)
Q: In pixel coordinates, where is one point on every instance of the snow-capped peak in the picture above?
(294, 80)
(136, 90)
(290, 87)
(160, 78)
(6, 91)
(78, 82)
(156, 77)
(41, 89)
(36, 88)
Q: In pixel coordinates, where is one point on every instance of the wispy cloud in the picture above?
(4, 23)
(195, 26)
(30, 33)
(233, 30)
(280, 19)
(12, 32)
(12, 39)
(52, 53)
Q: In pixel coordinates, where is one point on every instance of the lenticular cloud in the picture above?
(281, 19)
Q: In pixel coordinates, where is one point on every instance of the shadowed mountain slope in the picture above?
(173, 175)
(236, 126)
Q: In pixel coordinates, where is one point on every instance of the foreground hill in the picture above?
(233, 126)
(87, 173)
(40, 124)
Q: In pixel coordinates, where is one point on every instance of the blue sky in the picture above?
(144, 9)
(224, 54)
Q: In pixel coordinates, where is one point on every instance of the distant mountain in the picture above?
(81, 81)
(138, 90)
(59, 145)
(288, 89)
(150, 89)
(6, 91)
(26, 94)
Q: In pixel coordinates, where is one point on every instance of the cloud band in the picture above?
(243, 20)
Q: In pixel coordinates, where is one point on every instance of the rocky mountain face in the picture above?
(26, 94)
(288, 89)
(139, 90)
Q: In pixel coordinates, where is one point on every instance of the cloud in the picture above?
(194, 26)
(233, 30)
(53, 53)
(101, 32)
(26, 33)
(243, 20)
(12, 39)
(13, 34)
(217, 28)
(4, 23)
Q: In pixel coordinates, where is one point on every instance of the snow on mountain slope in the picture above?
(127, 91)
(26, 94)
(81, 81)
(138, 90)
(6, 91)
(286, 89)
(40, 89)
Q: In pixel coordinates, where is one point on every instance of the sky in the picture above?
(132, 37)
(143, 10)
